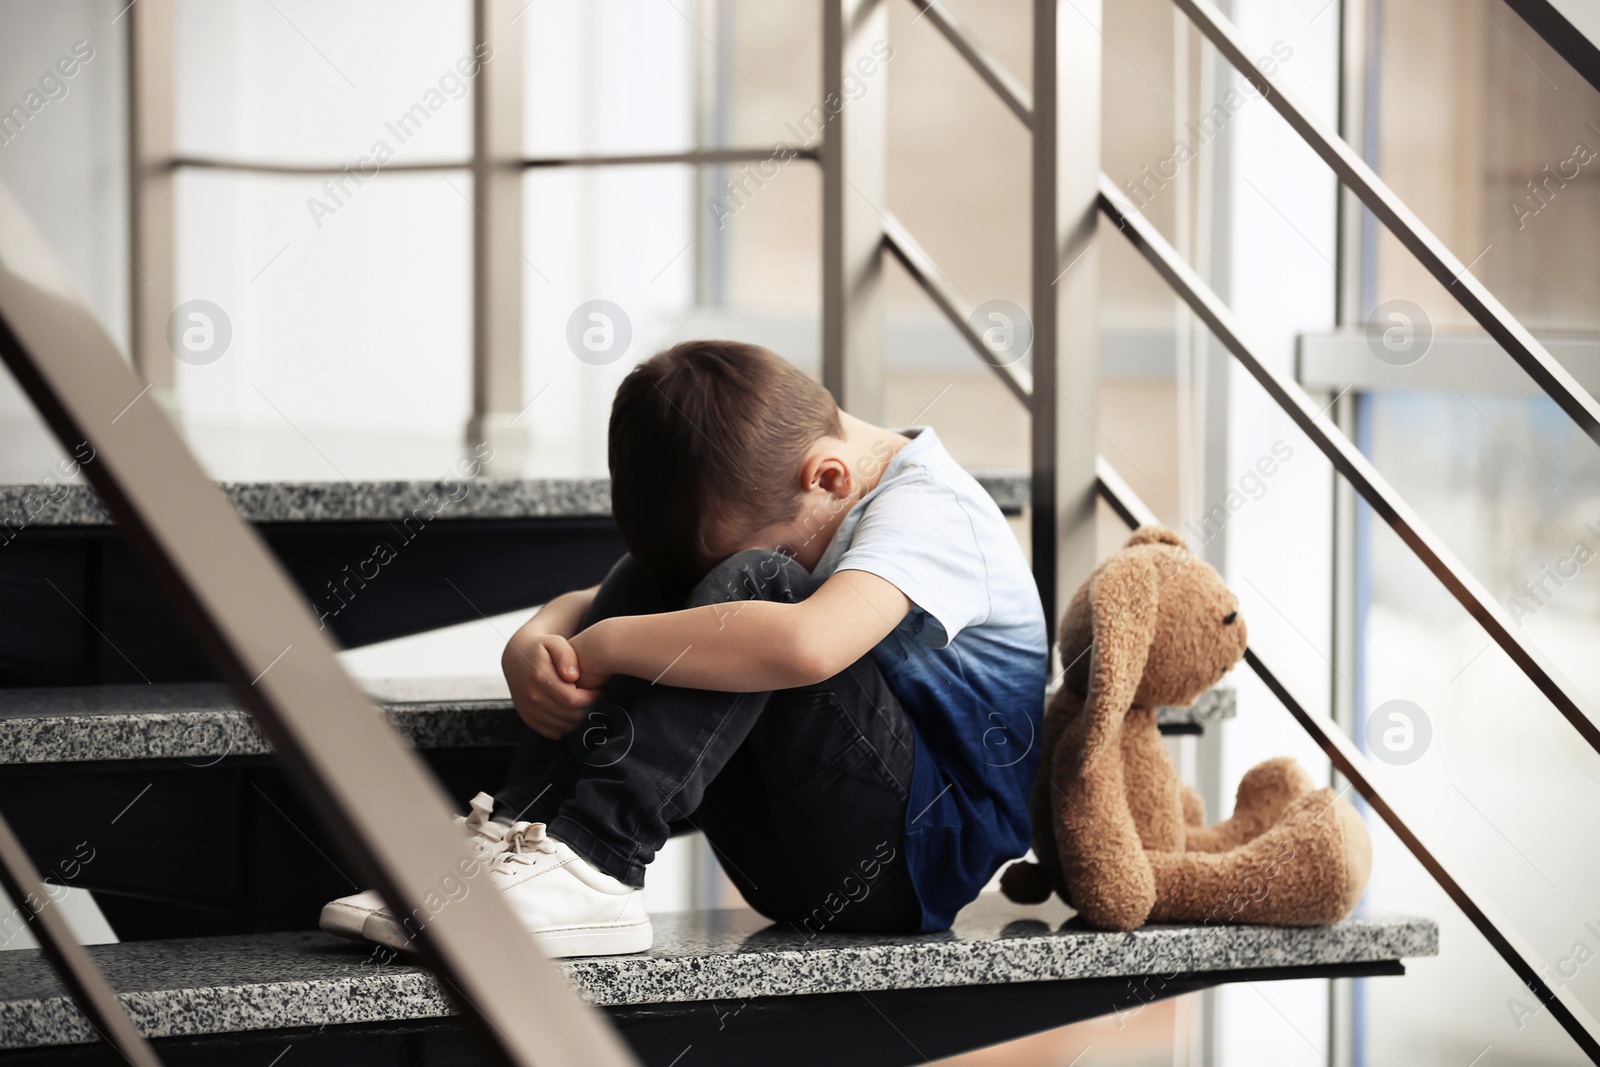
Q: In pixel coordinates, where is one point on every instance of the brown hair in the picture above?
(706, 441)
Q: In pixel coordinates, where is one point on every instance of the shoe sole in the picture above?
(607, 940)
(342, 919)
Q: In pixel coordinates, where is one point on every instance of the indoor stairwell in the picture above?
(216, 952)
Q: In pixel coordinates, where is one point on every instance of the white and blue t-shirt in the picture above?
(968, 663)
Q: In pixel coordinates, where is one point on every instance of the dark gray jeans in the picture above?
(801, 792)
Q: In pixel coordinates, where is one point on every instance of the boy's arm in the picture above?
(562, 615)
(747, 646)
(542, 671)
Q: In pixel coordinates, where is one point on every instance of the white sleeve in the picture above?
(916, 534)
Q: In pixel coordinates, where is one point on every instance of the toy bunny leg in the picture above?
(1307, 870)
(1264, 793)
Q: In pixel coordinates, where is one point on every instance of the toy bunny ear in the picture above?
(1107, 872)
(1123, 605)
(1153, 535)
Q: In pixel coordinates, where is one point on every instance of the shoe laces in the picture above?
(525, 842)
(485, 837)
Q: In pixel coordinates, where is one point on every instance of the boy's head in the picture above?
(707, 444)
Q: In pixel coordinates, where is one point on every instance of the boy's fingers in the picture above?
(563, 696)
(575, 699)
(564, 659)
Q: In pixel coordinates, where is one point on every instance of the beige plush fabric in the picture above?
(1117, 835)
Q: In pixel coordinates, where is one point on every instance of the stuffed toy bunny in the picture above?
(1116, 834)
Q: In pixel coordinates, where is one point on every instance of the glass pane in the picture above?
(303, 81)
(1517, 489)
(350, 348)
(1492, 139)
(63, 158)
(609, 76)
(62, 144)
(619, 236)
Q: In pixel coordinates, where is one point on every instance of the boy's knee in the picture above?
(754, 574)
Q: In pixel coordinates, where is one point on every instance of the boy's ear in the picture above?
(826, 471)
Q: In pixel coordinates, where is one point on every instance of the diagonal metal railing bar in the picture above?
(1567, 40)
(1431, 252)
(920, 266)
(693, 157)
(1521, 958)
(88, 986)
(1011, 92)
(1348, 461)
(385, 811)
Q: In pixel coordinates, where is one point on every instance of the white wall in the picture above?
(1279, 208)
(67, 168)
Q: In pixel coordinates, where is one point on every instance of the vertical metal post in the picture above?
(713, 107)
(1065, 293)
(497, 235)
(150, 200)
(1350, 311)
(853, 194)
(1212, 257)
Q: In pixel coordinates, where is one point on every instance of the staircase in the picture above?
(208, 878)
(732, 986)
(218, 949)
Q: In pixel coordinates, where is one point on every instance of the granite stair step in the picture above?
(75, 504)
(716, 971)
(375, 559)
(201, 721)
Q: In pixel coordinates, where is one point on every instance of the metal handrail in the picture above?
(1522, 959)
(689, 157)
(1348, 460)
(71, 961)
(1420, 241)
(1569, 42)
(1006, 86)
(384, 809)
(1414, 235)
(1344, 455)
(898, 241)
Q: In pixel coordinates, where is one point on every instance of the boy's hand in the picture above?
(542, 671)
(588, 652)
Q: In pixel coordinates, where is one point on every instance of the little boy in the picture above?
(824, 649)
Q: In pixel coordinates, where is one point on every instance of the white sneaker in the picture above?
(485, 840)
(570, 907)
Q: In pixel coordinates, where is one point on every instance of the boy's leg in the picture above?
(677, 742)
(544, 773)
(808, 818)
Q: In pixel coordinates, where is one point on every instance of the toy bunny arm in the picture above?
(1150, 780)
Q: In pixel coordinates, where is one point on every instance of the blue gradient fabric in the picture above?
(969, 663)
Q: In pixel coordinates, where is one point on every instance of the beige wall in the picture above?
(1469, 113)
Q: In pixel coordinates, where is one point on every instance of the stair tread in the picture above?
(378, 500)
(203, 721)
(281, 980)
